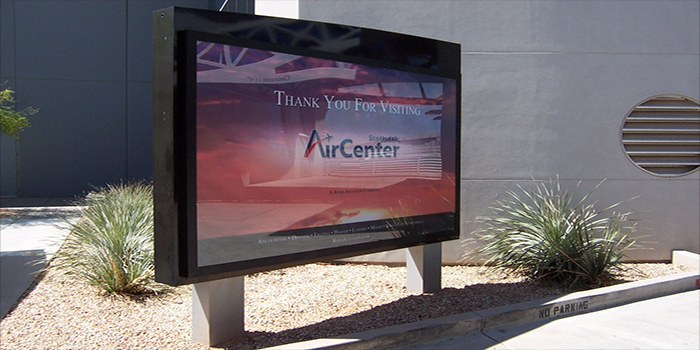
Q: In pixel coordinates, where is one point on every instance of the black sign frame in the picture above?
(176, 31)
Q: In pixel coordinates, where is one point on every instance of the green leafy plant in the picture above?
(544, 234)
(111, 245)
(12, 122)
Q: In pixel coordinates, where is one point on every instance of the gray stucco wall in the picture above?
(87, 66)
(546, 87)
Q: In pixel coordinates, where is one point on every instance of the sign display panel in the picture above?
(297, 153)
(280, 142)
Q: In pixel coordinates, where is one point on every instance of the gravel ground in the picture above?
(283, 306)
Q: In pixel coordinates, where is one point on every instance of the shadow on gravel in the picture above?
(449, 301)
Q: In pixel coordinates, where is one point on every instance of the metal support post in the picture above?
(217, 310)
(423, 268)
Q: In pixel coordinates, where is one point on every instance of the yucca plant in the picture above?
(111, 245)
(544, 234)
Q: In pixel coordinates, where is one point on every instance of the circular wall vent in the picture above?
(662, 135)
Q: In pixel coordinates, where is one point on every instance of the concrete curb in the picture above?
(536, 310)
(687, 259)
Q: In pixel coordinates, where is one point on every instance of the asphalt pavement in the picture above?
(31, 230)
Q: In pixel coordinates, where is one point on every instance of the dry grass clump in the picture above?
(545, 233)
(111, 245)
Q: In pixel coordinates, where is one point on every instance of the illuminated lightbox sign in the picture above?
(290, 155)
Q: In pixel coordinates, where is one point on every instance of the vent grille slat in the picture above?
(663, 142)
(669, 165)
(667, 109)
(662, 153)
(661, 120)
(662, 135)
(659, 131)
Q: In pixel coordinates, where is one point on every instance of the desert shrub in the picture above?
(111, 245)
(544, 234)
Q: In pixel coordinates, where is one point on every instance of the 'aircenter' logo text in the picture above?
(346, 149)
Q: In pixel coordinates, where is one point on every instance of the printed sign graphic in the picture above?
(297, 153)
